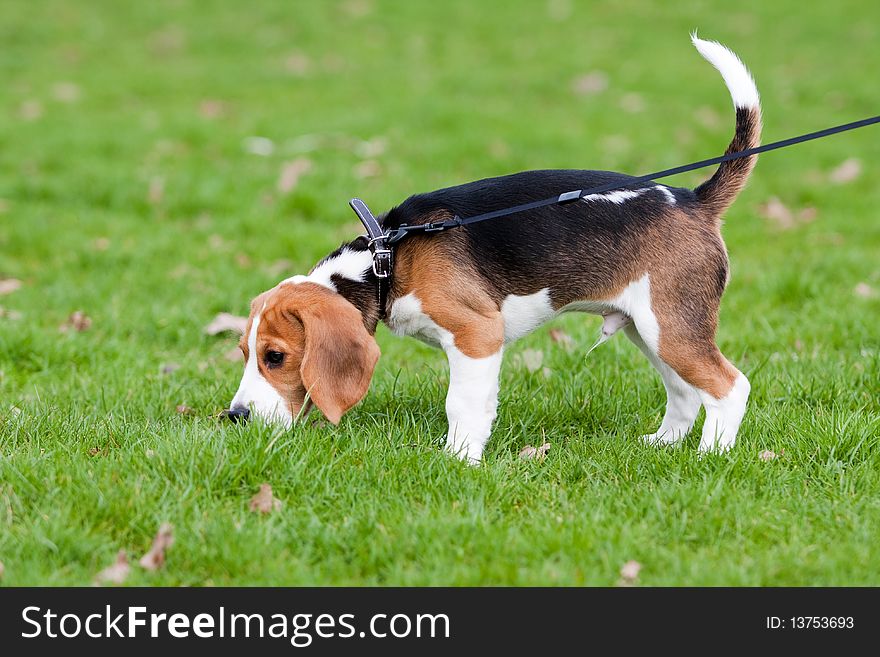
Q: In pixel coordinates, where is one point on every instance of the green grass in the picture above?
(95, 457)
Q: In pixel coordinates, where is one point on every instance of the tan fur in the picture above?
(450, 292)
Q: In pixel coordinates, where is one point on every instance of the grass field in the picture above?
(142, 147)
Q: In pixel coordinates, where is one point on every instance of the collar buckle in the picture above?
(382, 261)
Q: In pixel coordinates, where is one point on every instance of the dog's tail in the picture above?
(721, 189)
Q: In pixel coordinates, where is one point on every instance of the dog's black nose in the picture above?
(237, 414)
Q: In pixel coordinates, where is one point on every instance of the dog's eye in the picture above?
(274, 358)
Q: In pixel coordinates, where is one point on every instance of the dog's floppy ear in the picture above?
(339, 355)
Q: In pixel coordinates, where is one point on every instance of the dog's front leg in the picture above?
(471, 402)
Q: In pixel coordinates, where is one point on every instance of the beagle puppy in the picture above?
(648, 258)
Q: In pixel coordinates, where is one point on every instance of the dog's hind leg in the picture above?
(682, 400)
(723, 389)
(686, 345)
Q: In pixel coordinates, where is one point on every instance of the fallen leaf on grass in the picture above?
(847, 171)
(591, 83)
(560, 337)
(155, 558)
(629, 573)
(156, 190)
(183, 409)
(297, 63)
(532, 359)
(783, 216)
(13, 315)
(632, 103)
(291, 172)
(264, 501)
(865, 291)
(31, 110)
(78, 321)
(65, 92)
(226, 322)
(9, 285)
(210, 108)
(769, 455)
(532, 452)
(367, 169)
(116, 573)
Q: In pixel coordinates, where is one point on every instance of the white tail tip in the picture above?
(736, 76)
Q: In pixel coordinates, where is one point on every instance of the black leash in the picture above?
(381, 240)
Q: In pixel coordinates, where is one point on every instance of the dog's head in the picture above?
(304, 344)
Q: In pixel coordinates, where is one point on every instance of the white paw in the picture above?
(663, 437)
(717, 446)
(467, 452)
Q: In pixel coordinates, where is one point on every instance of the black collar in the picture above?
(383, 258)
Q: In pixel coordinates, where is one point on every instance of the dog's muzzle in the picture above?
(237, 414)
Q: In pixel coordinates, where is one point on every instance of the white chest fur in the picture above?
(407, 318)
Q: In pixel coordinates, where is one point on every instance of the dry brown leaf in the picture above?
(777, 212)
(532, 452)
(65, 92)
(2, 570)
(156, 190)
(592, 83)
(155, 557)
(264, 501)
(116, 573)
(210, 108)
(226, 322)
(291, 172)
(532, 359)
(865, 291)
(368, 169)
(847, 171)
(632, 103)
(13, 315)
(9, 285)
(562, 338)
(629, 573)
(78, 321)
(297, 63)
(769, 455)
(169, 40)
(183, 409)
(31, 110)
(808, 214)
